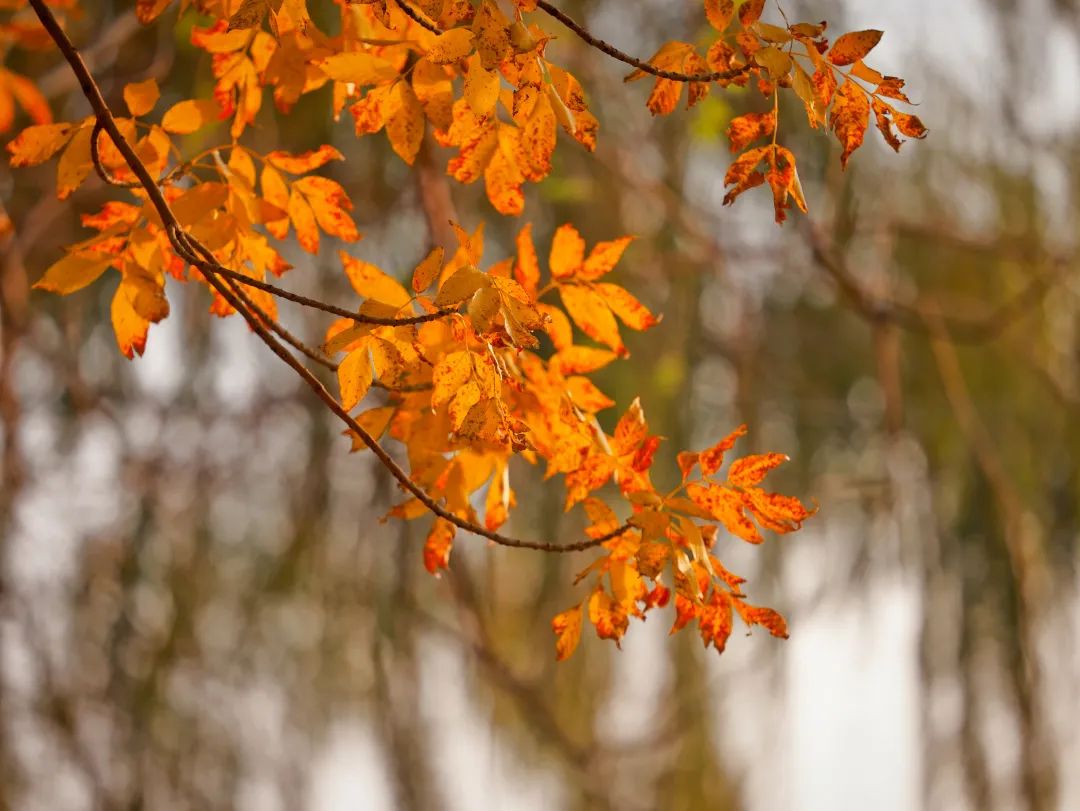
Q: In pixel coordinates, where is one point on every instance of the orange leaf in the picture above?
(719, 13)
(140, 97)
(527, 268)
(608, 616)
(603, 257)
(765, 617)
(713, 458)
(726, 506)
(37, 144)
(567, 252)
(304, 162)
(629, 310)
(849, 118)
(73, 272)
(853, 46)
(189, 115)
(588, 310)
(750, 470)
(750, 11)
(567, 626)
(372, 283)
(303, 220)
(437, 547)
(747, 128)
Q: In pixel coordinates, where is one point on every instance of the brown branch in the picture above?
(584, 35)
(417, 17)
(99, 167)
(198, 255)
(332, 309)
(914, 317)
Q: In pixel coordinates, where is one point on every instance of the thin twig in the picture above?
(200, 257)
(675, 76)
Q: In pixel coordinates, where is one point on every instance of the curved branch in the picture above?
(199, 256)
(675, 76)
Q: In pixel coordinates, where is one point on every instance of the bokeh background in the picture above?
(201, 610)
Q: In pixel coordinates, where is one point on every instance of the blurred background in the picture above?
(200, 609)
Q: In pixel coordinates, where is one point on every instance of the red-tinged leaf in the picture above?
(748, 128)
(824, 86)
(685, 610)
(720, 13)
(567, 252)
(727, 507)
(686, 461)
(603, 257)
(588, 310)
(643, 457)
(631, 429)
(849, 118)
(629, 310)
(437, 547)
(853, 46)
(567, 627)
(304, 162)
(743, 174)
(765, 617)
(713, 458)
(909, 125)
(750, 12)
(778, 513)
(37, 144)
(892, 87)
(608, 616)
(187, 116)
(715, 620)
(750, 470)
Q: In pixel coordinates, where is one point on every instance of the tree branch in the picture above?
(199, 256)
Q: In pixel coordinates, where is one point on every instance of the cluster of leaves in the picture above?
(466, 367)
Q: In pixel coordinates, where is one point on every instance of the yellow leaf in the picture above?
(462, 403)
(372, 283)
(451, 46)
(189, 115)
(483, 307)
(37, 144)
(427, 271)
(129, 326)
(481, 87)
(777, 62)
(75, 163)
(73, 272)
(451, 373)
(354, 376)
(405, 122)
(461, 286)
(140, 97)
(358, 68)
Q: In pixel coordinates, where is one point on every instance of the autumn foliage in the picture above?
(466, 360)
